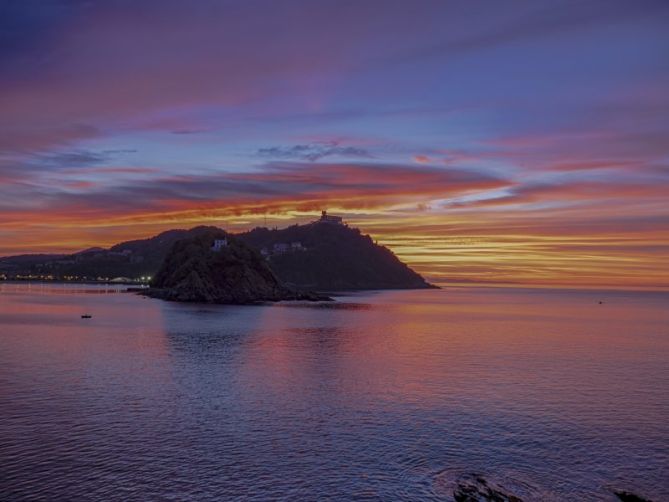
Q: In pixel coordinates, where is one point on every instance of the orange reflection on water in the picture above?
(526, 351)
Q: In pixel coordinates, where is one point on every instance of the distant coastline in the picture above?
(78, 281)
(133, 287)
(325, 255)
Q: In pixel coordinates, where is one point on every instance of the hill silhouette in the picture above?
(132, 259)
(316, 256)
(332, 257)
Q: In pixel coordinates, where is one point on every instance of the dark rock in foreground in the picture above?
(231, 273)
(626, 496)
(475, 488)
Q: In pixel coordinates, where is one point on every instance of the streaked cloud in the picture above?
(314, 151)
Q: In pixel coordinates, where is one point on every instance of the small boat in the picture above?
(86, 316)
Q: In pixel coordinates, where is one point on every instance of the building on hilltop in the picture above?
(332, 220)
(219, 244)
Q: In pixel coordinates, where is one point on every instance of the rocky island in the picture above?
(214, 267)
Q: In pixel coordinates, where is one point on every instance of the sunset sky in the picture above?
(483, 141)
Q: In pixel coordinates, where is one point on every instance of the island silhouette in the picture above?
(325, 255)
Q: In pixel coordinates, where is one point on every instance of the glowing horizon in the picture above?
(528, 145)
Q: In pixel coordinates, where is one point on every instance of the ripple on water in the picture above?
(396, 396)
(328, 305)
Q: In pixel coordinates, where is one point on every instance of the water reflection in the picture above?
(382, 395)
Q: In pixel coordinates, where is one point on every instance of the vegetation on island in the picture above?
(195, 270)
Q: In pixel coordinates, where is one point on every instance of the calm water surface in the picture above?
(380, 396)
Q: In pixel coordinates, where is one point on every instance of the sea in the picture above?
(554, 394)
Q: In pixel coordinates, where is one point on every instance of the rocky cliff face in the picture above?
(234, 274)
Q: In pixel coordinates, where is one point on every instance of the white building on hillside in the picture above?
(219, 244)
(280, 248)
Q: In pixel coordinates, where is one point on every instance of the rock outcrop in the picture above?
(193, 271)
(475, 488)
(626, 496)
